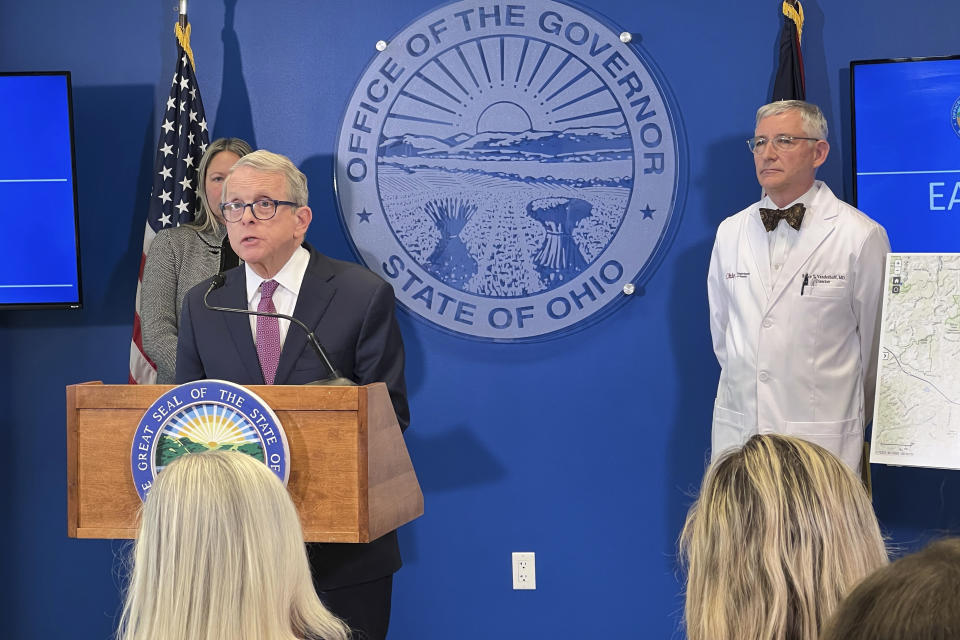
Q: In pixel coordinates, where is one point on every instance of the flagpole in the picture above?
(181, 142)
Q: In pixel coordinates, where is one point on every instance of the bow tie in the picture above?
(793, 215)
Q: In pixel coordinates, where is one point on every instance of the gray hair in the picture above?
(814, 124)
(270, 162)
(205, 220)
(220, 556)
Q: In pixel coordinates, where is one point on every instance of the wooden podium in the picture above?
(350, 474)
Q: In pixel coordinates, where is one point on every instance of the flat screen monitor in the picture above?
(39, 247)
(906, 143)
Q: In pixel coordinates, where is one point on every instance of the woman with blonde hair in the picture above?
(181, 257)
(220, 556)
(781, 531)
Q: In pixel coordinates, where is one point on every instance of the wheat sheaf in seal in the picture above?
(508, 168)
(203, 415)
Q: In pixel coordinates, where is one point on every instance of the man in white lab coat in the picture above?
(795, 286)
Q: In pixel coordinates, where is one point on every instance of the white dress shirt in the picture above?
(784, 237)
(285, 297)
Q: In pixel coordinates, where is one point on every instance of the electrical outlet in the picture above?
(524, 570)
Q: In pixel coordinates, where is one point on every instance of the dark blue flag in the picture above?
(789, 83)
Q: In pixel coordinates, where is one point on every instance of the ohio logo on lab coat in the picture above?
(511, 169)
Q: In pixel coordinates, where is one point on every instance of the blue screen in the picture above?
(907, 150)
(39, 262)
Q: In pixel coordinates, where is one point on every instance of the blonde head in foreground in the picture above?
(220, 556)
(781, 532)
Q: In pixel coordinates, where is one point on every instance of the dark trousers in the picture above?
(365, 607)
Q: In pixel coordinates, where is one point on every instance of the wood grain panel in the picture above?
(331, 460)
(393, 493)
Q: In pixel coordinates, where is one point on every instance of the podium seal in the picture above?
(203, 415)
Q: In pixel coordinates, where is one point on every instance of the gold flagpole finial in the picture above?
(794, 13)
(183, 37)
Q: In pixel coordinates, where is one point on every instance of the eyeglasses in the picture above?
(781, 143)
(262, 209)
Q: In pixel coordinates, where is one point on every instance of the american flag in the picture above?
(183, 139)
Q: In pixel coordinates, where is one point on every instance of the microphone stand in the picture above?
(334, 379)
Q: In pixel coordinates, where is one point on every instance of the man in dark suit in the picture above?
(351, 311)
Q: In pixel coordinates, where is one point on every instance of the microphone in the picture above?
(335, 379)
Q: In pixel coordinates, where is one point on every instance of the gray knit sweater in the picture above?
(178, 259)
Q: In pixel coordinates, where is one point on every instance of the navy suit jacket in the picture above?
(351, 311)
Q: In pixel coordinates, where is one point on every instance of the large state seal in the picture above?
(509, 168)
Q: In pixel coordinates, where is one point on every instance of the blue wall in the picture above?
(517, 448)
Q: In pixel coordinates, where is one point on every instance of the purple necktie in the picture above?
(268, 332)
